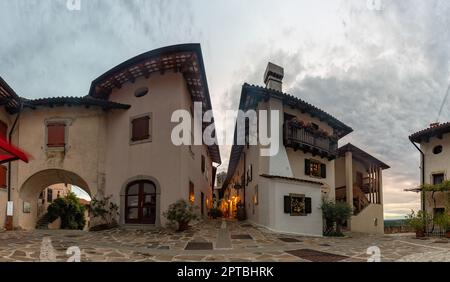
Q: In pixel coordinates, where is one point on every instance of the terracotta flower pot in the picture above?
(447, 235)
(420, 234)
(182, 226)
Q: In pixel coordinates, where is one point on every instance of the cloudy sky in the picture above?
(381, 68)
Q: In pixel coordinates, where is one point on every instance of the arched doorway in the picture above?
(31, 195)
(140, 202)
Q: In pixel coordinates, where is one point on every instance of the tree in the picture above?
(335, 215)
(70, 210)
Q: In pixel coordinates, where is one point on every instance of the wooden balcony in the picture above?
(300, 138)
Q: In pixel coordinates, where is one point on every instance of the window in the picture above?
(438, 211)
(140, 128)
(437, 149)
(3, 169)
(315, 168)
(256, 196)
(438, 178)
(249, 174)
(56, 135)
(203, 165)
(49, 195)
(141, 92)
(297, 205)
(191, 192)
(202, 203)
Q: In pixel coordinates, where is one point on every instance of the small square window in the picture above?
(56, 134)
(438, 178)
(315, 168)
(140, 129)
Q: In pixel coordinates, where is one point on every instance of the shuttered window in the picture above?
(56, 135)
(3, 169)
(3, 130)
(203, 164)
(315, 168)
(140, 128)
(297, 205)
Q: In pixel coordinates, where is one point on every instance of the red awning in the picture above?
(10, 153)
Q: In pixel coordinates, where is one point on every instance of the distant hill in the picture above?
(394, 222)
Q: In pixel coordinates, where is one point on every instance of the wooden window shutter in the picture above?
(308, 205)
(323, 170)
(287, 204)
(3, 130)
(307, 167)
(140, 128)
(56, 133)
(203, 163)
(2, 176)
(3, 134)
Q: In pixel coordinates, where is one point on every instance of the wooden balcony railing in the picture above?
(300, 138)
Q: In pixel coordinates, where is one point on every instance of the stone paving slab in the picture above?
(168, 245)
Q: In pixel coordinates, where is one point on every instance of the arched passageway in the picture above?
(30, 192)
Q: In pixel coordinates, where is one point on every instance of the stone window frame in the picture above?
(433, 173)
(150, 129)
(67, 122)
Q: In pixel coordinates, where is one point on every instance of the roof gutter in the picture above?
(422, 172)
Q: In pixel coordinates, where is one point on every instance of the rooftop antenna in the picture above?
(443, 103)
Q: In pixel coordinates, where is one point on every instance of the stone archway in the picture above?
(31, 188)
(158, 197)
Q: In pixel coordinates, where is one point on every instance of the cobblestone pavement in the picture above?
(231, 241)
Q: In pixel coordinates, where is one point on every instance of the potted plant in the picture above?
(181, 213)
(418, 222)
(443, 221)
(215, 213)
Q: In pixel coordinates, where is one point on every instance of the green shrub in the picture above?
(70, 210)
(181, 213)
(335, 216)
(418, 221)
(443, 221)
(106, 210)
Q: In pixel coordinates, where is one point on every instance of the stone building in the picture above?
(115, 141)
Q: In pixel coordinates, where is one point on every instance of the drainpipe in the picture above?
(245, 179)
(11, 131)
(423, 173)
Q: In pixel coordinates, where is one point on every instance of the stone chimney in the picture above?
(273, 77)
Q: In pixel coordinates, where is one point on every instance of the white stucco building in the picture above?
(284, 192)
(434, 147)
